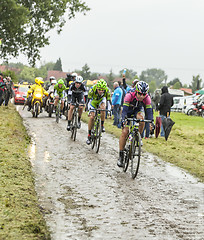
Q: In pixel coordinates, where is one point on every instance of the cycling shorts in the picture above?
(79, 97)
(94, 104)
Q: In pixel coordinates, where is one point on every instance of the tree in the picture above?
(58, 65)
(177, 85)
(27, 74)
(24, 24)
(152, 86)
(175, 80)
(11, 74)
(85, 72)
(49, 66)
(153, 74)
(110, 78)
(196, 83)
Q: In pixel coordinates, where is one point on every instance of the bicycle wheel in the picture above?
(57, 113)
(37, 109)
(126, 158)
(135, 153)
(74, 127)
(98, 135)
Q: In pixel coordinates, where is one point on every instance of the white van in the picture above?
(180, 103)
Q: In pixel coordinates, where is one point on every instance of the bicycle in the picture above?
(132, 150)
(97, 129)
(74, 121)
(58, 110)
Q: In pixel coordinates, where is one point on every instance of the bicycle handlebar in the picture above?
(139, 120)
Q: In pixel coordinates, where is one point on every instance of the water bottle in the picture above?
(124, 72)
(130, 137)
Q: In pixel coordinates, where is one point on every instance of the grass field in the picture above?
(20, 215)
(185, 145)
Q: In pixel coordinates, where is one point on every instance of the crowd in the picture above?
(6, 89)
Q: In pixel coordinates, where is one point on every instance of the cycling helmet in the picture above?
(101, 84)
(142, 87)
(52, 78)
(135, 81)
(79, 79)
(39, 80)
(74, 74)
(53, 81)
(60, 81)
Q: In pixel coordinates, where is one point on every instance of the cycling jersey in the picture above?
(95, 98)
(77, 93)
(60, 91)
(132, 106)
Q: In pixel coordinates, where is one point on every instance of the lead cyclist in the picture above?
(133, 106)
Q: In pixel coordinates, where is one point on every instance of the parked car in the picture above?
(20, 94)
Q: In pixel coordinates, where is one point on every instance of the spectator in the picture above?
(116, 103)
(2, 87)
(156, 99)
(166, 102)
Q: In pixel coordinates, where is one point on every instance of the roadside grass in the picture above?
(184, 147)
(20, 215)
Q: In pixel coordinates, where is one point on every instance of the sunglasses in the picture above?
(100, 89)
(78, 82)
(142, 94)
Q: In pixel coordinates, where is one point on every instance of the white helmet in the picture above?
(52, 78)
(74, 74)
(79, 79)
(53, 81)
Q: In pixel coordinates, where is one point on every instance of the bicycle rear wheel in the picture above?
(98, 135)
(135, 153)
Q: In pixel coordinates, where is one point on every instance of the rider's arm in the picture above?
(148, 108)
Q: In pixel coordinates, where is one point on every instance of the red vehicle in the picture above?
(20, 94)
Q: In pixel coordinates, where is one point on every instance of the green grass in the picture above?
(20, 215)
(185, 145)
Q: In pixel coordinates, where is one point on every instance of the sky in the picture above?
(134, 34)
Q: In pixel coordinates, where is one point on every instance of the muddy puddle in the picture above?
(84, 195)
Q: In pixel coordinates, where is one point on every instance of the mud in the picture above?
(84, 195)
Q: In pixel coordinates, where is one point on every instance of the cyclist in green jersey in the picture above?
(98, 96)
(59, 92)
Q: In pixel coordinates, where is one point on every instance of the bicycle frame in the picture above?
(132, 149)
(97, 129)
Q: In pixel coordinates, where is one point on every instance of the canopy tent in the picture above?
(201, 91)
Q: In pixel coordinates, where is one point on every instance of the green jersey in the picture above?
(60, 90)
(96, 98)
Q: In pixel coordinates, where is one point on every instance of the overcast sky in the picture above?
(136, 34)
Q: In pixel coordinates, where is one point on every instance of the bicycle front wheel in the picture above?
(135, 153)
(126, 158)
(57, 113)
(98, 135)
(74, 126)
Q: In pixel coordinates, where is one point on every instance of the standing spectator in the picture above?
(166, 102)
(116, 103)
(156, 99)
(2, 87)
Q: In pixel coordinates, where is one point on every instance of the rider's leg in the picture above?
(62, 105)
(122, 142)
(90, 126)
(103, 106)
(56, 100)
(140, 115)
(70, 112)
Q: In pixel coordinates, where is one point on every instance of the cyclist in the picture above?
(59, 92)
(133, 107)
(98, 95)
(38, 84)
(77, 91)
